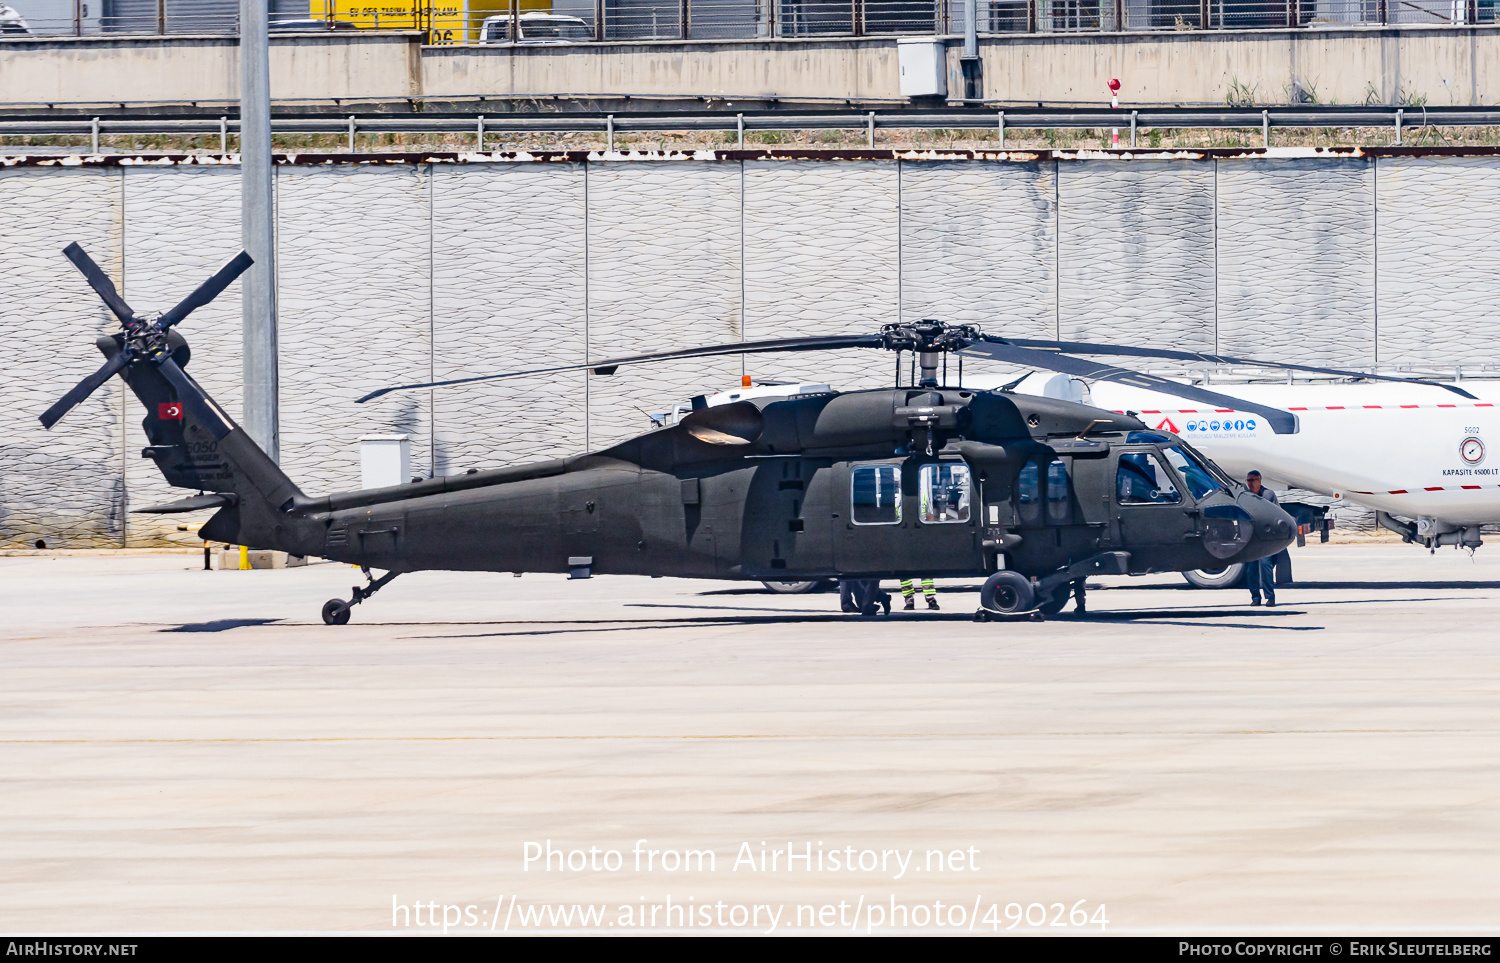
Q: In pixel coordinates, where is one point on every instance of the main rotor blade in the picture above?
(193, 399)
(1281, 422)
(99, 281)
(83, 389)
(607, 366)
(208, 290)
(1079, 347)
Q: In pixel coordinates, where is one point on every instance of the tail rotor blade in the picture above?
(83, 389)
(208, 290)
(99, 281)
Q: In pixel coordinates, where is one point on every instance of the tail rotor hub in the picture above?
(146, 338)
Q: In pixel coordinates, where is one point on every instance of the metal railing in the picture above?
(88, 18)
(584, 21)
(488, 128)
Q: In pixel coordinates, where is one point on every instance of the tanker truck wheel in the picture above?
(1231, 576)
(793, 588)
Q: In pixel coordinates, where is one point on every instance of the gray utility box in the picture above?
(384, 460)
(924, 66)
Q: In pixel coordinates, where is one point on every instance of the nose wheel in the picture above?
(337, 611)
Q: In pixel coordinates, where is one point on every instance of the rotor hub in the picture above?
(929, 337)
(930, 340)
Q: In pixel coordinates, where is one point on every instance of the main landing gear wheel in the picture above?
(335, 612)
(1006, 593)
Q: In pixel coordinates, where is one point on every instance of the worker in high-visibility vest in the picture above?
(938, 503)
(908, 592)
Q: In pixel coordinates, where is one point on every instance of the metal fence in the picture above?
(584, 21)
(20, 19)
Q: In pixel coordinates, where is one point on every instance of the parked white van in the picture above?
(536, 28)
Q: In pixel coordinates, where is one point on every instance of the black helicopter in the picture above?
(1033, 493)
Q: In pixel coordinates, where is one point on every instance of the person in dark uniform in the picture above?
(863, 595)
(847, 589)
(1281, 562)
(1260, 575)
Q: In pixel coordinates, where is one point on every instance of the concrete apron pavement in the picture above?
(194, 751)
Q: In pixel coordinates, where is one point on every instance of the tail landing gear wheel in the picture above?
(1008, 593)
(335, 612)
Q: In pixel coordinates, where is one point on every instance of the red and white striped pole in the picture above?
(1114, 102)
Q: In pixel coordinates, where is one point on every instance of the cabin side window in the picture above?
(1141, 479)
(1029, 494)
(1059, 494)
(875, 494)
(945, 493)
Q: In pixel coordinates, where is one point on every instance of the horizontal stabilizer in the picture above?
(194, 504)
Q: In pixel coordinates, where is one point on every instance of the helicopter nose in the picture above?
(1274, 528)
(1280, 530)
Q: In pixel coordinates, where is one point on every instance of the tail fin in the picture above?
(197, 446)
(193, 442)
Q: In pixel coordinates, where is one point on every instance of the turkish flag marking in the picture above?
(169, 411)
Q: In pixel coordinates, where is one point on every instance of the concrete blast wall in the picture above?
(195, 69)
(392, 273)
(1411, 65)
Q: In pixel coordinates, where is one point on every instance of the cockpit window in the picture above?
(1147, 438)
(1197, 476)
(1225, 482)
(1141, 479)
